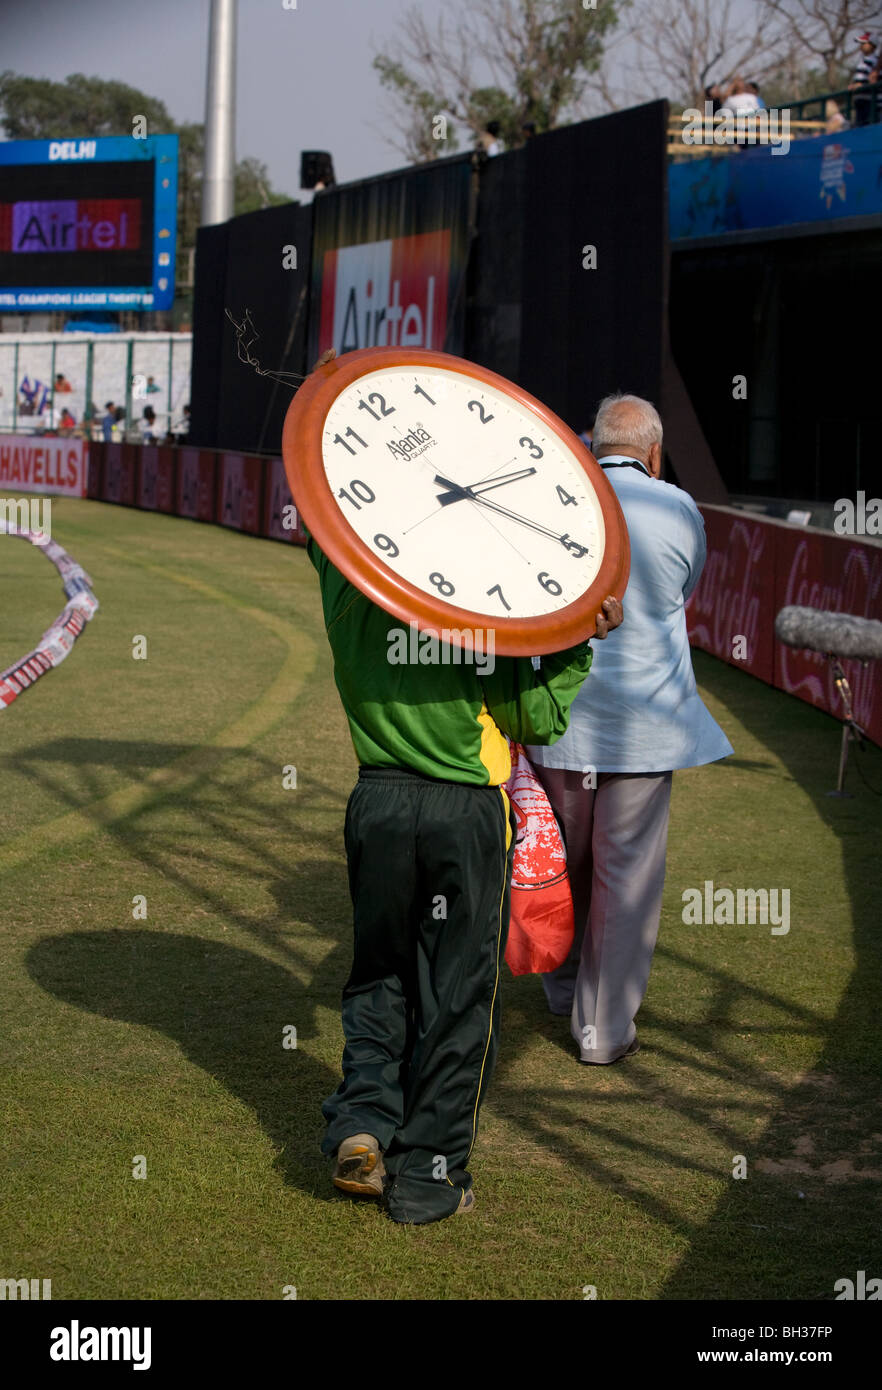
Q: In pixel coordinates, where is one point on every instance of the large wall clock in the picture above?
(452, 498)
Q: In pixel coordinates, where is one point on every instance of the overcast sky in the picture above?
(305, 79)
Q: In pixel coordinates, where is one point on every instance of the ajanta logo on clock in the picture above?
(413, 444)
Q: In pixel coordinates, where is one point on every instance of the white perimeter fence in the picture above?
(100, 367)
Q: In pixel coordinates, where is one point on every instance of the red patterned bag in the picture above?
(542, 923)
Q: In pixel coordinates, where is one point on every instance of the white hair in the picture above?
(626, 422)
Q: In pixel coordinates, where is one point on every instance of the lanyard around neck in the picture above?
(633, 463)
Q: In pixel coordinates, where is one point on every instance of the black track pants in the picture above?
(429, 873)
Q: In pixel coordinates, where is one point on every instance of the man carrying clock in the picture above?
(609, 778)
(429, 842)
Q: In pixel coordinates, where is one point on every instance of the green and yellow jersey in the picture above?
(447, 720)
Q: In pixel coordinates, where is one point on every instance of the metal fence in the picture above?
(44, 375)
(860, 106)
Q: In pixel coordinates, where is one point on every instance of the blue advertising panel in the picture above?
(88, 224)
(820, 179)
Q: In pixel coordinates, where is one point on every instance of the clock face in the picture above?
(452, 498)
(463, 491)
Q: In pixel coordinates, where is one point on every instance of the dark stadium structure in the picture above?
(589, 261)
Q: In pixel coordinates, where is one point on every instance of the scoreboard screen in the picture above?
(88, 224)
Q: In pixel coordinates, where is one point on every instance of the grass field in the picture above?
(162, 1037)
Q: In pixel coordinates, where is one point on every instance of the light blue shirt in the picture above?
(639, 709)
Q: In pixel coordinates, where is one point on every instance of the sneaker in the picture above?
(360, 1166)
(466, 1202)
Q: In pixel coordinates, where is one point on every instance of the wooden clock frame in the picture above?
(304, 466)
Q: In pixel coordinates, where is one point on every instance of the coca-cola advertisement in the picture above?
(755, 567)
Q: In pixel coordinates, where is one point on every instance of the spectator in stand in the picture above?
(148, 426)
(66, 423)
(753, 87)
(33, 400)
(151, 387)
(181, 428)
(738, 99)
(108, 422)
(61, 383)
(489, 138)
(864, 80)
(835, 121)
(714, 95)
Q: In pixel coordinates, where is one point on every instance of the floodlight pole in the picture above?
(220, 115)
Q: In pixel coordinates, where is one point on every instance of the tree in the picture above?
(252, 187)
(537, 54)
(33, 108)
(685, 46)
(795, 48)
(36, 109)
(826, 30)
(795, 82)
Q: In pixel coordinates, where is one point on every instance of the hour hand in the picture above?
(454, 492)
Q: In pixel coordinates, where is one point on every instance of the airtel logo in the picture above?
(386, 293)
(389, 325)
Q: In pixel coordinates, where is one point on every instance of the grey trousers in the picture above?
(616, 837)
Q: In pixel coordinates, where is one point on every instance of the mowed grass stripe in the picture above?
(266, 710)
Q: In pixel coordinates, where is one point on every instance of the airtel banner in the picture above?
(386, 294)
(31, 463)
(388, 261)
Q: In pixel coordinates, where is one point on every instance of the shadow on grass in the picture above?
(243, 855)
(813, 1141)
(822, 1149)
(225, 1007)
(229, 828)
(225, 842)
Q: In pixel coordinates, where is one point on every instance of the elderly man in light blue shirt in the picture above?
(609, 778)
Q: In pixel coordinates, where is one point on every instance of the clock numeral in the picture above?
(361, 490)
(566, 498)
(385, 543)
(527, 443)
(384, 409)
(338, 439)
(551, 586)
(476, 405)
(419, 390)
(443, 585)
(498, 590)
(573, 546)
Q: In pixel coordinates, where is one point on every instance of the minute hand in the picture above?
(565, 541)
